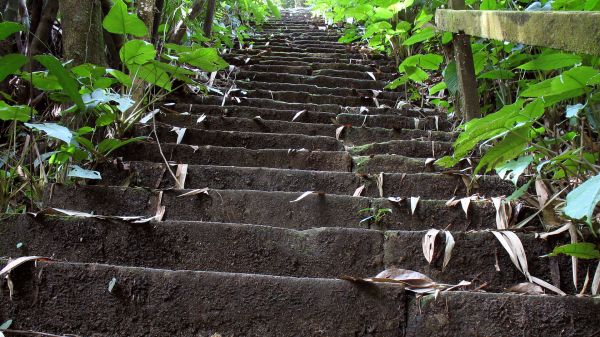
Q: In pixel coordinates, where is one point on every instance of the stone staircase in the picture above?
(241, 259)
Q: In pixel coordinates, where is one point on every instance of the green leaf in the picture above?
(120, 21)
(573, 110)
(206, 59)
(425, 34)
(152, 74)
(121, 77)
(6, 324)
(8, 28)
(10, 64)
(53, 130)
(511, 170)
(581, 250)
(274, 9)
(397, 82)
(78, 172)
(110, 144)
(67, 82)
(451, 77)
(551, 62)
(513, 145)
(21, 113)
(582, 200)
(137, 51)
(437, 88)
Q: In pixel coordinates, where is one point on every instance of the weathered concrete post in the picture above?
(465, 69)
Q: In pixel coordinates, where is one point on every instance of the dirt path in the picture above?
(242, 259)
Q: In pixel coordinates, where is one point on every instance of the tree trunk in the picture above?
(41, 38)
(158, 15)
(83, 36)
(146, 10)
(180, 28)
(114, 42)
(208, 19)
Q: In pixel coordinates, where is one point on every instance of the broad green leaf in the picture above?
(11, 64)
(152, 74)
(374, 28)
(451, 77)
(581, 250)
(511, 170)
(397, 82)
(21, 113)
(573, 110)
(512, 146)
(401, 5)
(382, 14)
(6, 324)
(121, 77)
(206, 59)
(274, 9)
(78, 172)
(573, 79)
(592, 5)
(8, 28)
(425, 34)
(582, 200)
(437, 88)
(137, 51)
(109, 145)
(120, 21)
(53, 130)
(416, 74)
(43, 81)
(551, 62)
(67, 82)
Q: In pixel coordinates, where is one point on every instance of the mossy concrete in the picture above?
(573, 31)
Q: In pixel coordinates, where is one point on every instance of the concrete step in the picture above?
(319, 80)
(248, 140)
(273, 208)
(237, 156)
(73, 298)
(240, 248)
(443, 186)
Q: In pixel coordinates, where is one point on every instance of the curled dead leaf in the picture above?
(359, 191)
(303, 195)
(12, 264)
(526, 288)
(338, 132)
(298, 114)
(194, 192)
(414, 201)
(428, 244)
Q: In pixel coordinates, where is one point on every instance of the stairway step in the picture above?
(321, 64)
(480, 314)
(395, 121)
(235, 156)
(240, 248)
(412, 148)
(443, 186)
(305, 97)
(248, 140)
(272, 208)
(313, 89)
(155, 302)
(319, 80)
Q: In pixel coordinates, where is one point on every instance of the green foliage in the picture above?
(581, 250)
(120, 21)
(582, 201)
(8, 28)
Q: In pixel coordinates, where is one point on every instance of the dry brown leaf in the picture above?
(12, 264)
(338, 132)
(596, 281)
(298, 114)
(561, 229)
(573, 234)
(201, 119)
(428, 244)
(414, 202)
(437, 121)
(429, 161)
(195, 192)
(380, 184)
(452, 202)
(526, 288)
(395, 199)
(195, 147)
(548, 286)
(448, 250)
(359, 191)
(181, 175)
(304, 195)
(503, 213)
(180, 133)
(149, 116)
(465, 202)
(514, 248)
(372, 75)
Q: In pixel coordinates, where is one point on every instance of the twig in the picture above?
(30, 332)
(161, 152)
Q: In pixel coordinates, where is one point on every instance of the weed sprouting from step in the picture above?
(376, 214)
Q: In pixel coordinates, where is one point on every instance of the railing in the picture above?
(573, 31)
